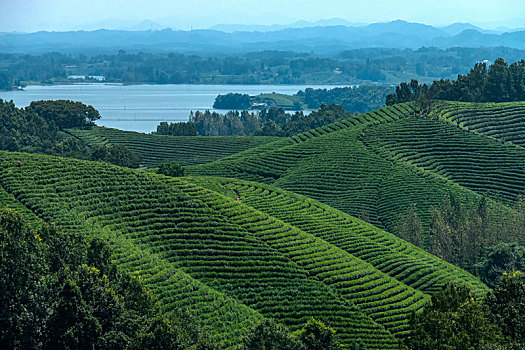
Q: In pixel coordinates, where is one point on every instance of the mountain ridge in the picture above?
(331, 38)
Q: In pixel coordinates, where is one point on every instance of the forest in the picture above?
(500, 82)
(378, 65)
(267, 122)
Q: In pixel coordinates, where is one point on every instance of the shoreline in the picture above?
(182, 84)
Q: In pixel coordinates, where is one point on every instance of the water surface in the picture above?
(142, 107)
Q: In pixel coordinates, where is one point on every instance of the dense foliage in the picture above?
(360, 99)
(268, 122)
(266, 67)
(453, 320)
(456, 320)
(268, 335)
(61, 291)
(232, 101)
(499, 83)
(499, 259)
(173, 169)
(176, 129)
(471, 235)
(37, 129)
(64, 113)
(507, 307)
(115, 154)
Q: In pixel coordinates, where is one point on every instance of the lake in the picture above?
(142, 107)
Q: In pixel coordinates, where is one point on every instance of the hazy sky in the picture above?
(33, 15)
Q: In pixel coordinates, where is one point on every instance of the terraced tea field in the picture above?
(170, 236)
(483, 165)
(364, 264)
(502, 121)
(155, 149)
(292, 247)
(332, 164)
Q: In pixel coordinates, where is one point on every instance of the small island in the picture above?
(360, 99)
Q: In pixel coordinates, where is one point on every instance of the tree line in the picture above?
(62, 291)
(267, 122)
(500, 82)
(476, 236)
(264, 67)
(359, 99)
(456, 320)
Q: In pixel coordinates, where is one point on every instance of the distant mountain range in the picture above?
(319, 37)
(231, 28)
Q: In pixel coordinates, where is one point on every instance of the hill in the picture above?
(233, 262)
(344, 166)
(155, 149)
(502, 121)
(485, 166)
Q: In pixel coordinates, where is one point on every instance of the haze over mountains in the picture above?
(326, 36)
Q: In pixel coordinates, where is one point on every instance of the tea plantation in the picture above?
(186, 150)
(333, 165)
(189, 254)
(502, 121)
(285, 228)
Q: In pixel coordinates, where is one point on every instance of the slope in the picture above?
(364, 264)
(161, 230)
(473, 161)
(502, 121)
(155, 149)
(332, 164)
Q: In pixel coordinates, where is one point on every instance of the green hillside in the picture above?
(361, 262)
(272, 254)
(483, 165)
(502, 121)
(384, 251)
(188, 253)
(155, 149)
(333, 165)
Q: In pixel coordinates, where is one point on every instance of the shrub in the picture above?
(173, 169)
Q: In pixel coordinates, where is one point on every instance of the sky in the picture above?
(62, 15)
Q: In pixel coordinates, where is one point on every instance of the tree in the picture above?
(176, 129)
(232, 101)
(173, 169)
(21, 269)
(496, 86)
(115, 154)
(315, 335)
(452, 320)
(64, 113)
(269, 128)
(507, 306)
(268, 335)
(52, 299)
(500, 259)
(410, 228)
